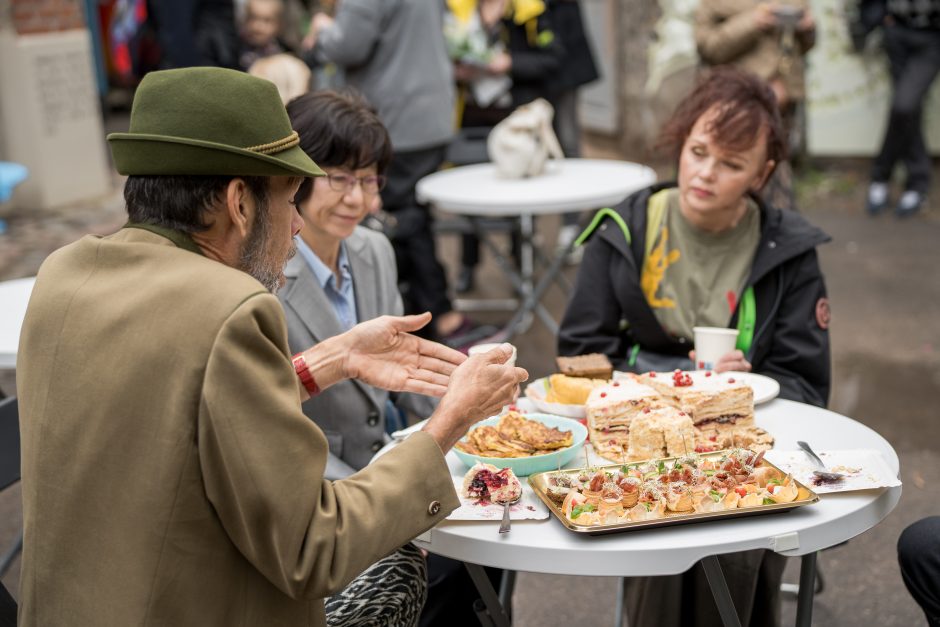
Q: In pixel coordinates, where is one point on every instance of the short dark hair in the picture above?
(182, 203)
(746, 105)
(339, 129)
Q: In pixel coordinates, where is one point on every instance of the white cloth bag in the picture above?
(521, 144)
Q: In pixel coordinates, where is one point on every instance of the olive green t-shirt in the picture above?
(691, 277)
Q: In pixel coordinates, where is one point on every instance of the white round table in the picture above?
(14, 296)
(547, 547)
(477, 191)
(566, 185)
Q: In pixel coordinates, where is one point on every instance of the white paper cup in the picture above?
(485, 348)
(711, 344)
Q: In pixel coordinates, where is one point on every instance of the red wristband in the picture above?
(300, 367)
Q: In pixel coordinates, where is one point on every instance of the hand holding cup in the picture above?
(478, 388)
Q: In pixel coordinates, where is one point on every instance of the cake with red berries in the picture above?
(488, 483)
(707, 397)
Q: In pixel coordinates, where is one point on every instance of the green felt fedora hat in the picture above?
(209, 121)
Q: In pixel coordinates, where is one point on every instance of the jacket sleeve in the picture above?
(799, 357)
(539, 62)
(262, 462)
(722, 39)
(350, 41)
(591, 323)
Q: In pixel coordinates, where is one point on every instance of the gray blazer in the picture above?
(350, 413)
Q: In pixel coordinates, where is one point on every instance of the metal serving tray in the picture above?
(539, 483)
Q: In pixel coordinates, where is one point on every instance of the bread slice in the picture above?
(592, 366)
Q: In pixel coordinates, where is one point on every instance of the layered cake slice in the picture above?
(610, 411)
(707, 397)
(661, 432)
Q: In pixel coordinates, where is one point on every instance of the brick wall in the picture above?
(46, 16)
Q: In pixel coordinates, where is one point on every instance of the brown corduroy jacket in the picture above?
(169, 474)
(725, 33)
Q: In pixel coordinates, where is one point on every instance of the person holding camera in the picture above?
(770, 40)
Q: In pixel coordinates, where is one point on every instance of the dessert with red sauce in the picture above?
(488, 483)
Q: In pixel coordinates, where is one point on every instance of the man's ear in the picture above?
(239, 207)
(764, 175)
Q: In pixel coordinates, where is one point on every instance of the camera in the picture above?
(788, 16)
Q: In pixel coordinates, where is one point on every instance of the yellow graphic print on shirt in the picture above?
(654, 269)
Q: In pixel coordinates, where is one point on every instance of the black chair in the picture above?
(9, 464)
(9, 474)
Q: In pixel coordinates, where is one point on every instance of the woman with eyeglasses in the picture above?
(343, 273)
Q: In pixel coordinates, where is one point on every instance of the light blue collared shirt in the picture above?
(342, 299)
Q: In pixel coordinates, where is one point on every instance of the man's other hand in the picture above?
(479, 388)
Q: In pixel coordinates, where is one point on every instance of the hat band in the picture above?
(276, 146)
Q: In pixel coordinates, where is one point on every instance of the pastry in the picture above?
(570, 390)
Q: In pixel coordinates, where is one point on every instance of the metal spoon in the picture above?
(824, 474)
(504, 526)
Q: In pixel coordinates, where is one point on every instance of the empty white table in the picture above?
(566, 185)
(14, 296)
(548, 547)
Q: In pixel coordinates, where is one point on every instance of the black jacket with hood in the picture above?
(609, 314)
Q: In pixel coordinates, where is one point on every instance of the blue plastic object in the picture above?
(524, 466)
(11, 175)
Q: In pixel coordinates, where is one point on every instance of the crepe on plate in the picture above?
(515, 436)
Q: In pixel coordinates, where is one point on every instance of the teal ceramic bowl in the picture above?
(523, 466)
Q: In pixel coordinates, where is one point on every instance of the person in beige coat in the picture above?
(768, 39)
(169, 474)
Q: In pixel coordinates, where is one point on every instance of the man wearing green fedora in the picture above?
(169, 474)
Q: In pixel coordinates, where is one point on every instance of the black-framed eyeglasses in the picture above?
(371, 184)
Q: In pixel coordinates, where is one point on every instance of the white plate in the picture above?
(529, 507)
(765, 388)
(864, 469)
(536, 391)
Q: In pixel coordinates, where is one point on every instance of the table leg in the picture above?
(522, 281)
(804, 602)
(506, 586)
(493, 607)
(526, 254)
(716, 581)
(547, 260)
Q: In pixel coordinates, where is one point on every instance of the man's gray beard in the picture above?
(254, 258)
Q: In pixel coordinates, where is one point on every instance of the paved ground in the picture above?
(885, 293)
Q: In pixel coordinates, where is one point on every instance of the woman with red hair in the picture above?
(706, 251)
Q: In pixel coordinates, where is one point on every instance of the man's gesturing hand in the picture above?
(479, 388)
(382, 352)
